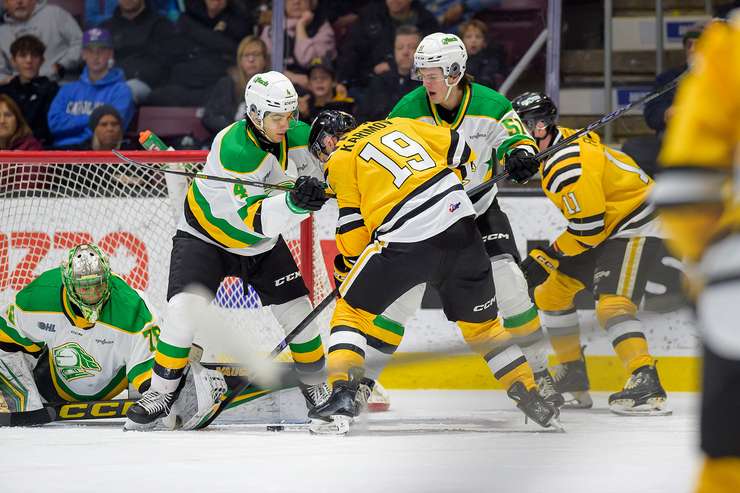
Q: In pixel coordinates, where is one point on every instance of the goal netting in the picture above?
(51, 201)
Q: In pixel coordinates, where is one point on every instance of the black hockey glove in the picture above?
(539, 264)
(308, 193)
(521, 166)
(342, 266)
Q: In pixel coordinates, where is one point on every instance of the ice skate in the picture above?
(315, 394)
(571, 380)
(643, 395)
(546, 388)
(152, 406)
(534, 406)
(334, 416)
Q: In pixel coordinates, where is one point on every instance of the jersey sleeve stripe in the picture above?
(563, 177)
(589, 219)
(582, 230)
(348, 210)
(571, 151)
(350, 225)
(683, 186)
(642, 215)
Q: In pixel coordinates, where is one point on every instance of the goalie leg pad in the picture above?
(199, 398)
(307, 348)
(18, 391)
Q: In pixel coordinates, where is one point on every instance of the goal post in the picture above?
(52, 200)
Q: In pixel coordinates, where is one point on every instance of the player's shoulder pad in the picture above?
(488, 102)
(298, 135)
(237, 148)
(42, 294)
(413, 105)
(126, 309)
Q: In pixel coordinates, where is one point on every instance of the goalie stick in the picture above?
(580, 133)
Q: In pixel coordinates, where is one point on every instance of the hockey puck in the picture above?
(275, 427)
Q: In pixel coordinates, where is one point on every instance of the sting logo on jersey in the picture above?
(288, 278)
(454, 207)
(601, 274)
(73, 362)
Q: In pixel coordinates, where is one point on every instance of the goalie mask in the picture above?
(537, 111)
(270, 92)
(86, 278)
(328, 127)
(445, 51)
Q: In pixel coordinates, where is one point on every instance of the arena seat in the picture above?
(169, 121)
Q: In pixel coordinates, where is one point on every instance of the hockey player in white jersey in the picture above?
(80, 333)
(449, 98)
(234, 230)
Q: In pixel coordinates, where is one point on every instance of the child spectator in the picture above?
(99, 84)
(139, 38)
(322, 93)
(32, 93)
(368, 49)
(226, 104)
(486, 64)
(54, 26)
(203, 49)
(307, 36)
(15, 134)
(387, 88)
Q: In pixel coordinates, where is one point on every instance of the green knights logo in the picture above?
(73, 362)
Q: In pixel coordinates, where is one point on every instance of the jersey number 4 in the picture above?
(400, 148)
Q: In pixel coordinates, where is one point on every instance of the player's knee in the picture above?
(346, 314)
(178, 327)
(385, 335)
(553, 295)
(482, 336)
(512, 293)
(609, 306)
(293, 312)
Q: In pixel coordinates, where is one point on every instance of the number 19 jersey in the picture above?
(394, 181)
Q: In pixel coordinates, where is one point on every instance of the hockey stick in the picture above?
(202, 176)
(273, 354)
(580, 133)
(68, 411)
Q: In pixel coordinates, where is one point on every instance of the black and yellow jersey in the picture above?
(698, 199)
(599, 190)
(394, 181)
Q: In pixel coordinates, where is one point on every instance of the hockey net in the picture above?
(51, 201)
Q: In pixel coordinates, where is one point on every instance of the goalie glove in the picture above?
(521, 166)
(342, 266)
(308, 193)
(539, 264)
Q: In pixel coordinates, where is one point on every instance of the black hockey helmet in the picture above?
(535, 107)
(328, 123)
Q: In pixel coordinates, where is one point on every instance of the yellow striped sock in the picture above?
(567, 348)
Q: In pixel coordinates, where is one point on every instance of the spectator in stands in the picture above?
(15, 134)
(99, 11)
(658, 111)
(485, 63)
(369, 47)
(208, 33)
(322, 94)
(387, 88)
(106, 126)
(139, 37)
(450, 13)
(32, 93)
(307, 36)
(226, 104)
(54, 26)
(100, 83)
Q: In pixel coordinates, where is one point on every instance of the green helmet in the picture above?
(86, 276)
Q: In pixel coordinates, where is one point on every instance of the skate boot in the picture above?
(546, 388)
(315, 394)
(152, 405)
(334, 416)
(571, 380)
(643, 395)
(531, 403)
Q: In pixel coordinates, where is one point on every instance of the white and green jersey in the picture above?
(247, 220)
(86, 362)
(487, 121)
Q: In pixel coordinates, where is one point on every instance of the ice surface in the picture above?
(430, 441)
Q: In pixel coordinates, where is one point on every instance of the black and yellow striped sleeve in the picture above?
(352, 235)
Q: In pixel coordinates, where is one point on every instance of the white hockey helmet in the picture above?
(270, 92)
(442, 50)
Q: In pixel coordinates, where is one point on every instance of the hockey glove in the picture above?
(539, 264)
(521, 166)
(308, 193)
(342, 266)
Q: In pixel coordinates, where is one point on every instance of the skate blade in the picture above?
(652, 407)
(339, 425)
(134, 426)
(578, 400)
(556, 425)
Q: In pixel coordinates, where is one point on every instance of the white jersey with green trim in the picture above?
(247, 219)
(86, 362)
(488, 123)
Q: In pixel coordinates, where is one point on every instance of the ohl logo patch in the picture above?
(73, 362)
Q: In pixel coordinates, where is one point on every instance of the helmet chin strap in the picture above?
(450, 87)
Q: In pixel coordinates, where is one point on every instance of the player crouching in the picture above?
(404, 219)
(79, 333)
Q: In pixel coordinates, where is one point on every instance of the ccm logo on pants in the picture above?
(485, 306)
(496, 236)
(288, 278)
